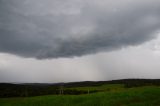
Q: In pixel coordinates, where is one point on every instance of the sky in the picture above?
(49, 41)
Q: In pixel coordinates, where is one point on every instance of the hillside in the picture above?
(139, 96)
(72, 88)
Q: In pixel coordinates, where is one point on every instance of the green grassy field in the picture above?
(140, 96)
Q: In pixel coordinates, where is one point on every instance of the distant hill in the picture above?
(36, 89)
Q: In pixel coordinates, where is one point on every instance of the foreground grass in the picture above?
(142, 96)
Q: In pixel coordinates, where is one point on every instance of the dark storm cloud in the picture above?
(60, 28)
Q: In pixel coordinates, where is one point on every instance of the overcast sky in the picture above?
(79, 40)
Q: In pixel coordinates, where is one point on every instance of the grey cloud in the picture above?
(60, 28)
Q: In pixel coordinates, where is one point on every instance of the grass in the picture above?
(141, 96)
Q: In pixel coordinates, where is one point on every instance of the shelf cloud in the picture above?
(46, 29)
